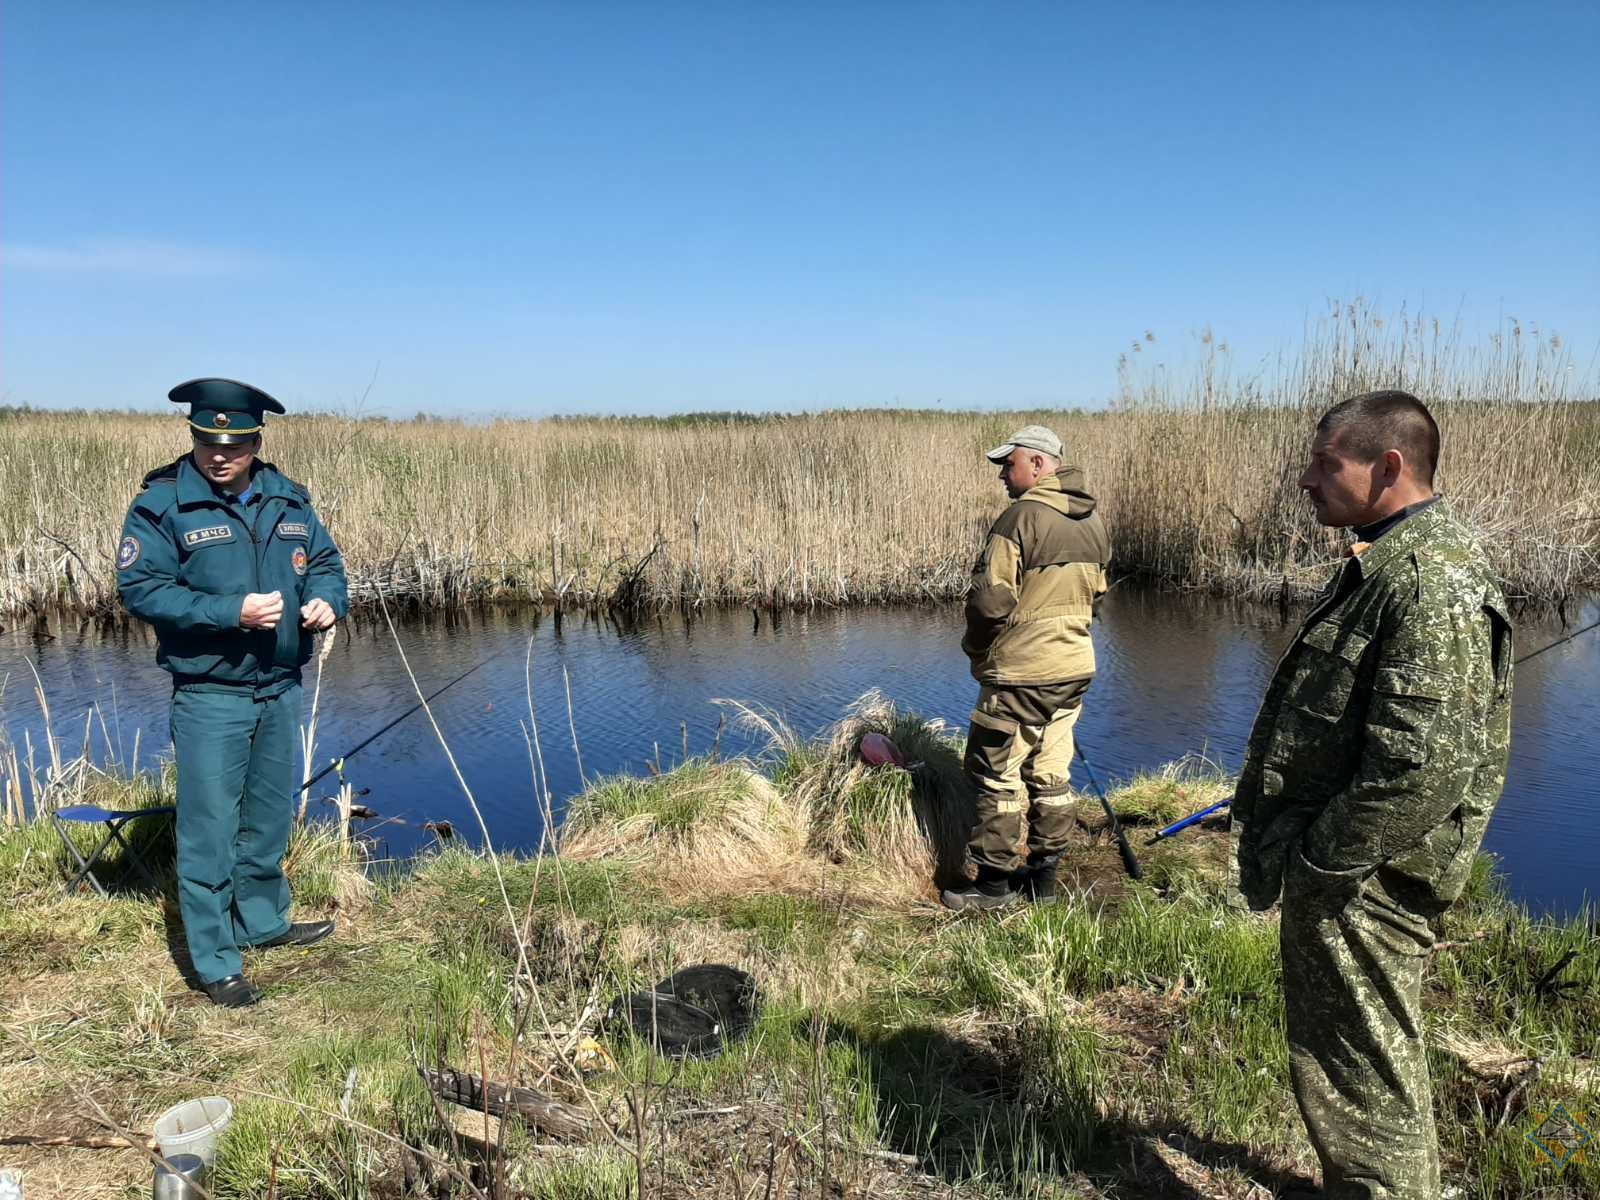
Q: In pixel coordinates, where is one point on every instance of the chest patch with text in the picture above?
(293, 529)
(204, 537)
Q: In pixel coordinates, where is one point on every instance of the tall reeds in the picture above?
(1196, 471)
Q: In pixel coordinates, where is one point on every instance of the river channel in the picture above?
(1178, 676)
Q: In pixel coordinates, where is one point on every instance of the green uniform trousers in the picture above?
(1352, 989)
(236, 755)
(1019, 761)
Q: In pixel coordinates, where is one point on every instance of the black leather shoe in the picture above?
(234, 991)
(301, 933)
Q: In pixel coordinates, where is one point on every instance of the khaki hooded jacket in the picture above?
(1034, 587)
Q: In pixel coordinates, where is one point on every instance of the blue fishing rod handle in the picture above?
(1180, 826)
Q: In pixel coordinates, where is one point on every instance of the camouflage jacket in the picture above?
(1380, 749)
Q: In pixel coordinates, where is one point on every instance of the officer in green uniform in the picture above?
(226, 558)
(1369, 779)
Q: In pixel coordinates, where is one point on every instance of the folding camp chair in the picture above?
(113, 820)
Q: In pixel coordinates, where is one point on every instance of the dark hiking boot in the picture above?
(987, 892)
(1039, 881)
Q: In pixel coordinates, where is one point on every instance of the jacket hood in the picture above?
(1064, 491)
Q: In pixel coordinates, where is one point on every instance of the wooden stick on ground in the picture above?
(70, 1141)
(1476, 936)
(537, 1109)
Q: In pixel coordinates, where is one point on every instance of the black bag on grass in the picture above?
(693, 1013)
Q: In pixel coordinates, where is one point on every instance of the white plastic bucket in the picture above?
(194, 1127)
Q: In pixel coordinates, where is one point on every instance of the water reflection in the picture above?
(1177, 676)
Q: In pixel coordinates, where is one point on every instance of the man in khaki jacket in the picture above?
(1034, 587)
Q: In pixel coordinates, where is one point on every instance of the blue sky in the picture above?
(646, 207)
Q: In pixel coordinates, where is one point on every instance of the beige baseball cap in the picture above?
(1032, 437)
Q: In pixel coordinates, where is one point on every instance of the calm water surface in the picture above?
(1177, 676)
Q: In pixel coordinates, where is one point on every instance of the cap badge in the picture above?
(220, 420)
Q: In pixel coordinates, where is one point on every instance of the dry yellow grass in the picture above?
(707, 828)
(1196, 473)
(827, 822)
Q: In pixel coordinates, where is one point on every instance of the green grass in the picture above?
(1039, 1053)
(299, 1140)
(596, 1175)
(803, 927)
(693, 796)
(1162, 797)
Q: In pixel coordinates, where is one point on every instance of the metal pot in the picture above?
(180, 1178)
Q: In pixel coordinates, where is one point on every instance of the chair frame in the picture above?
(114, 821)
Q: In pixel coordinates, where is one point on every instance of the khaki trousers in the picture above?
(1019, 759)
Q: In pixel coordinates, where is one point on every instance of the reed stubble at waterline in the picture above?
(1197, 479)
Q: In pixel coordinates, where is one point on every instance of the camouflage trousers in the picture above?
(1352, 988)
(1019, 759)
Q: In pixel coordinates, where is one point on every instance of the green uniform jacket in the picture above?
(1380, 749)
(188, 558)
(1034, 587)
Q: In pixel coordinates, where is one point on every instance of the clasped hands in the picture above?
(263, 610)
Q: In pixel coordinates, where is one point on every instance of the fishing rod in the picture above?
(1558, 642)
(1128, 859)
(338, 763)
(1180, 825)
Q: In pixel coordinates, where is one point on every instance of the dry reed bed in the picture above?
(1196, 473)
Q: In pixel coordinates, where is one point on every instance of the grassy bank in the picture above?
(1196, 470)
(1123, 1042)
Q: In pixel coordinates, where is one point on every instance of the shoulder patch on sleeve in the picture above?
(128, 552)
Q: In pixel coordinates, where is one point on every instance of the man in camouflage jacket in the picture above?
(1369, 779)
